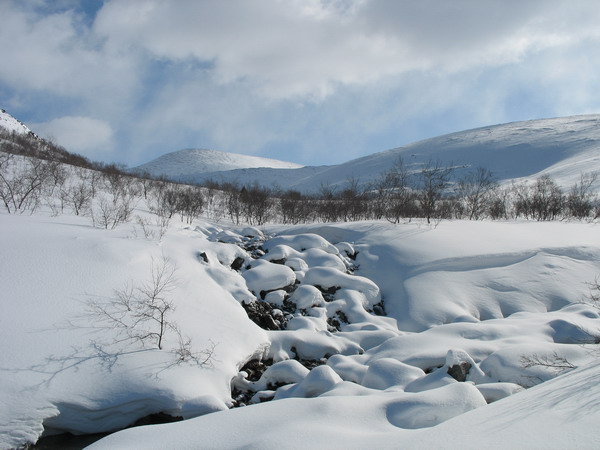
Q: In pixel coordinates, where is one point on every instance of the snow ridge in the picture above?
(11, 124)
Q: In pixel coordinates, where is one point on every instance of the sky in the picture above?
(309, 81)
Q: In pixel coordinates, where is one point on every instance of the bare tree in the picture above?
(142, 314)
(77, 196)
(395, 197)
(352, 200)
(580, 198)
(190, 202)
(22, 181)
(292, 207)
(475, 190)
(434, 179)
(108, 213)
(256, 203)
(546, 199)
(498, 204)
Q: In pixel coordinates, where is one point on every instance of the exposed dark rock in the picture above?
(261, 314)
(268, 316)
(154, 419)
(255, 368)
(202, 256)
(352, 256)
(287, 289)
(289, 306)
(240, 398)
(460, 371)
(329, 292)
(429, 370)
(237, 263)
(65, 441)
(379, 309)
(310, 364)
(278, 261)
(335, 323)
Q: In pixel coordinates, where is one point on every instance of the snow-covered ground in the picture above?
(476, 295)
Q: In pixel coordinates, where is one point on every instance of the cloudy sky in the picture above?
(308, 81)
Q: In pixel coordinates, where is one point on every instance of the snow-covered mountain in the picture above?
(187, 164)
(562, 148)
(11, 124)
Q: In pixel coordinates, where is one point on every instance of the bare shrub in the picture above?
(142, 315)
(108, 213)
(475, 189)
(580, 199)
(554, 362)
(434, 179)
(22, 181)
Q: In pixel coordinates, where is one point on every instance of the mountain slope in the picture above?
(187, 163)
(562, 148)
(9, 123)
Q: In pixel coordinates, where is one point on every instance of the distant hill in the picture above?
(189, 163)
(562, 148)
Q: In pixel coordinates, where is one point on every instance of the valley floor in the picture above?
(368, 334)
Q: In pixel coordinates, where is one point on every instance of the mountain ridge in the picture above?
(561, 147)
(11, 124)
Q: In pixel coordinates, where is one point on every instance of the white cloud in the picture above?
(56, 53)
(310, 76)
(285, 49)
(78, 134)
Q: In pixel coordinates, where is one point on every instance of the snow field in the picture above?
(375, 326)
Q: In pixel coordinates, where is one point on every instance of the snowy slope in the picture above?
(11, 124)
(563, 148)
(184, 164)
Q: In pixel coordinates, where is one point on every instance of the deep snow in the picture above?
(478, 292)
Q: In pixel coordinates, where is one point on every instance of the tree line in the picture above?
(36, 172)
(431, 192)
